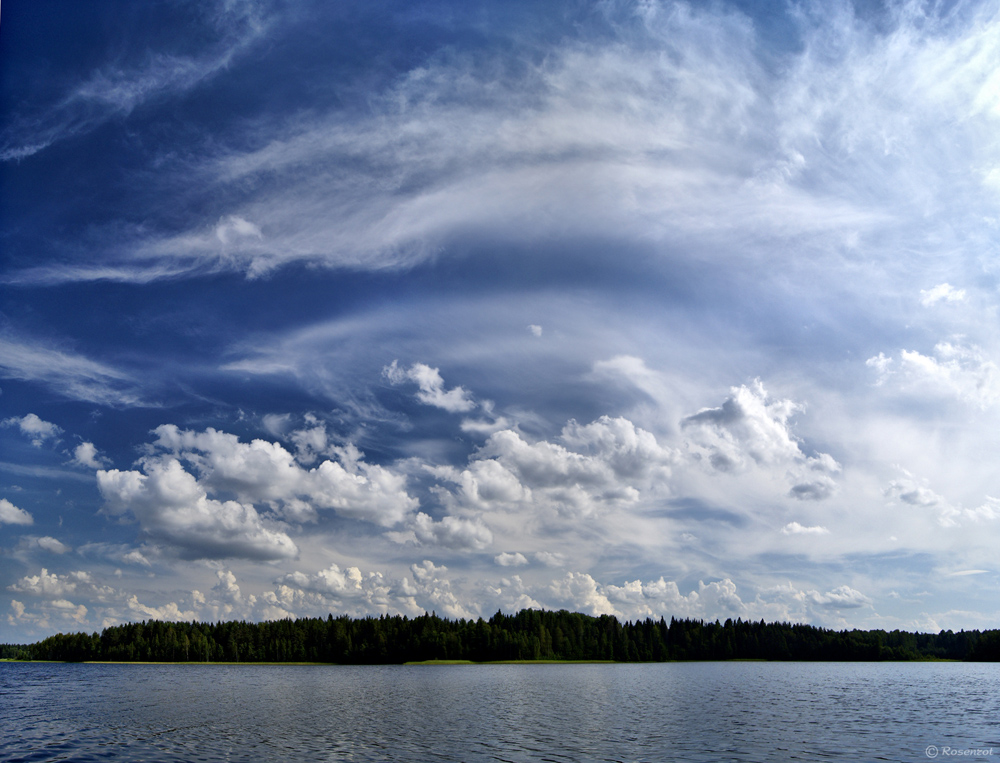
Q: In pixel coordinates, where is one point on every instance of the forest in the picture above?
(527, 635)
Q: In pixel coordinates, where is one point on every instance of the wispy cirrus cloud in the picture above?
(666, 129)
(69, 374)
(116, 89)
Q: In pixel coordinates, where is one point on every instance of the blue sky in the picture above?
(642, 308)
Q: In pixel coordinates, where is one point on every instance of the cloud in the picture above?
(70, 375)
(913, 493)
(115, 90)
(264, 472)
(52, 585)
(752, 430)
(817, 490)
(34, 428)
(431, 387)
(910, 492)
(509, 559)
(550, 558)
(842, 597)
(794, 528)
(173, 508)
(747, 425)
(52, 545)
(648, 132)
(168, 613)
(11, 515)
(452, 532)
(350, 590)
(179, 507)
(234, 229)
(579, 592)
(85, 454)
(535, 329)
(959, 371)
(941, 293)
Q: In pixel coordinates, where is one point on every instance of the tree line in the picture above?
(527, 635)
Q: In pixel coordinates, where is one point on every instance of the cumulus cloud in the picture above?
(960, 371)
(637, 599)
(173, 508)
(86, 454)
(794, 528)
(943, 292)
(430, 386)
(169, 612)
(52, 545)
(34, 428)
(746, 426)
(579, 592)
(265, 472)
(911, 492)
(452, 532)
(917, 494)
(602, 464)
(11, 515)
(750, 429)
(52, 585)
(550, 558)
(511, 559)
(352, 591)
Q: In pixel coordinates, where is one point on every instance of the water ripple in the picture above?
(694, 712)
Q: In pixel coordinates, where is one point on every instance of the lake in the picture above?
(696, 711)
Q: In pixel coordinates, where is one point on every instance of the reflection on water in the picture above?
(736, 711)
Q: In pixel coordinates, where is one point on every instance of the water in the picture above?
(736, 711)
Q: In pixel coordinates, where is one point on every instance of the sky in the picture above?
(651, 308)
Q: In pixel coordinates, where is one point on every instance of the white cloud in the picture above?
(794, 528)
(71, 375)
(261, 471)
(52, 545)
(751, 430)
(173, 508)
(550, 558)
(960, 371)
(37, 430)
(113, 91)
(52, 585)
(535, 329)
(842, 597)
(11, 515)
(602, 464)
(510, 559)
(86, 454)
(170, 612)
(913, 493)
(135, 556)
(747, 425)
(452, 532)
(941, 293)
(234, 229)
(579, 592)
(431, 389)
